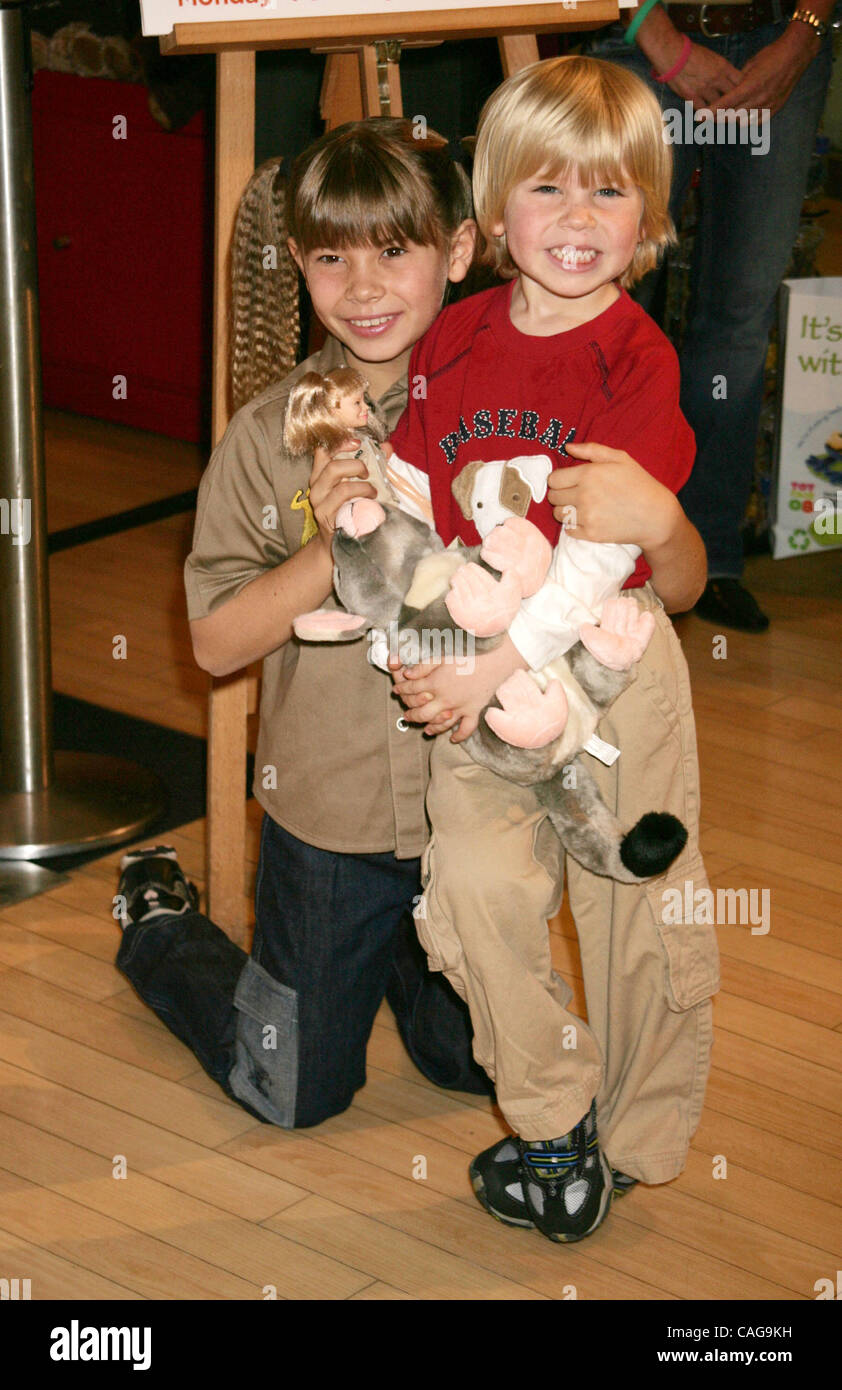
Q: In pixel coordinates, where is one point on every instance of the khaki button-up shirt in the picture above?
(336, 764)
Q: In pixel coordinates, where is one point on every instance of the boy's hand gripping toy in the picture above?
(393, 575)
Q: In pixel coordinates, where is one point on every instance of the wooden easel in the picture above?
(361, 79)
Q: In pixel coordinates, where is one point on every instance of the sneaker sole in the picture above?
(482, 1197)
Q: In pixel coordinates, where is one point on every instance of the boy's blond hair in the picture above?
(580, 114)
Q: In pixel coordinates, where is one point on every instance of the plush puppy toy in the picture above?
(394, 577)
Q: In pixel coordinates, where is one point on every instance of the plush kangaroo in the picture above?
(393, 575)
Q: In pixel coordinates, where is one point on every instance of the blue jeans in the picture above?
(284, 1031)
(750, 206)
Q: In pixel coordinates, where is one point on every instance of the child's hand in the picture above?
(443, 695)
(613, 498)
(335, 479)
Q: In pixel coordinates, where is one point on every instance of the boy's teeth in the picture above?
(574, 255)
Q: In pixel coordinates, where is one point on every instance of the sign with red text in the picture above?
(159, 16)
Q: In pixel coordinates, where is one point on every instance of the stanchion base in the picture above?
(93, 801)
(20, 880)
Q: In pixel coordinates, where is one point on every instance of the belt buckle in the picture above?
(703, 23)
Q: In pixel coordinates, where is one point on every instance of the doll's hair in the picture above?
(264, 288)
(573, 113)
(376, 182)
(310, 418)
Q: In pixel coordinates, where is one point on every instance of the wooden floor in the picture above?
(218, 1206)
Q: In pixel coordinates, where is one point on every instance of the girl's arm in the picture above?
(259, 618)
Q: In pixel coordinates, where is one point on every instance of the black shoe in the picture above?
(728, 603)
(563, 1187)
(496, 1180)
(152, 885)
(622, 1182)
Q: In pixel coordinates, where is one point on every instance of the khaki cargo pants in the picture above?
(493, 875)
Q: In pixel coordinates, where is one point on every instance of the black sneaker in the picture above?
(728, 603)
(496, 1180)
(621, 1182)
(152, 885)
(563, 1187)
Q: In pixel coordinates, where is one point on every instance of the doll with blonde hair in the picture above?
(325, 411)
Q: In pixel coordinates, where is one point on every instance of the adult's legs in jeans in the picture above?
(750, 209)
(750, 205)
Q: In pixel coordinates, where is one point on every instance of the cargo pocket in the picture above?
(691, 951)
(265, 1071)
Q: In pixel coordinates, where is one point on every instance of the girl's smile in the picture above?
(379, 300)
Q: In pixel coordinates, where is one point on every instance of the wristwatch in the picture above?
(807, 17)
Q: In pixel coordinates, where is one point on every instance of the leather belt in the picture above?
(713, 21)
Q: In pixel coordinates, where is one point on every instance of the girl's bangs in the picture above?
(362, 202)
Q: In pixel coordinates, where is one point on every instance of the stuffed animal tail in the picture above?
(595, 838)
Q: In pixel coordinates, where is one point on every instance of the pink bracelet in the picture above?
(683, 59)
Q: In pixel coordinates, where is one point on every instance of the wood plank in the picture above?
(413, 1265)
(54, 1278)
(808, 869)
(752, 1151)
(178, 1163)
(820, 906)
(790, 1075)
(254, 1252)
(758, 1104)
(82, 975)
(113, 1033)
(792, 1266)
(751, 982)
(137, 1261)
(174, 1107)
(380, 1293)
(782, 958)
(620, 1262)
(821, 715)
(517, 51)
(770, 1025)
(430, 24)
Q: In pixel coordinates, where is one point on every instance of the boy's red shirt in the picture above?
(480, 389)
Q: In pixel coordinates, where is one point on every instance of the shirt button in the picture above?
(402, 724)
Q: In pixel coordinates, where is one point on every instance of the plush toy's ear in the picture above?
(535, 469)
(462, 487)
(329, 625)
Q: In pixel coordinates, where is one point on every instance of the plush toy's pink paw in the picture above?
(480, 603)
(623, 635)
(359, 517)
(328, 625)
(530, 717)
(518, 547)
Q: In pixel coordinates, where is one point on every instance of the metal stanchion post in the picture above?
(50, 803)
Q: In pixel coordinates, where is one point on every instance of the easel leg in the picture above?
(226, 810)
(517, 51)
(360, 83)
